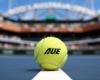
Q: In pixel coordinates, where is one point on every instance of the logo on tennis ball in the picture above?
(52, 51)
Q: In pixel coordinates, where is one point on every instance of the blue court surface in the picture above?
(24, 67)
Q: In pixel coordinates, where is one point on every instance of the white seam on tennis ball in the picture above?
(40, 48)
(42, 44)
(45, 62)
(50, 63)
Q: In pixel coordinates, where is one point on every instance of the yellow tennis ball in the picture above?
(51, 53)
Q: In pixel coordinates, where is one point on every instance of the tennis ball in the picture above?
(51, 53)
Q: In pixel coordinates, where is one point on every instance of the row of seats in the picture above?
(77, 27)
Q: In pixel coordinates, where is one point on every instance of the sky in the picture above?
(92, 4)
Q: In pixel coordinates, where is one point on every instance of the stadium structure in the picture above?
(21, 35)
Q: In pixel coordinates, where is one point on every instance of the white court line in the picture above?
(52, 75)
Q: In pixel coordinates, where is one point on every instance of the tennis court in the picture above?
(24, 67)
